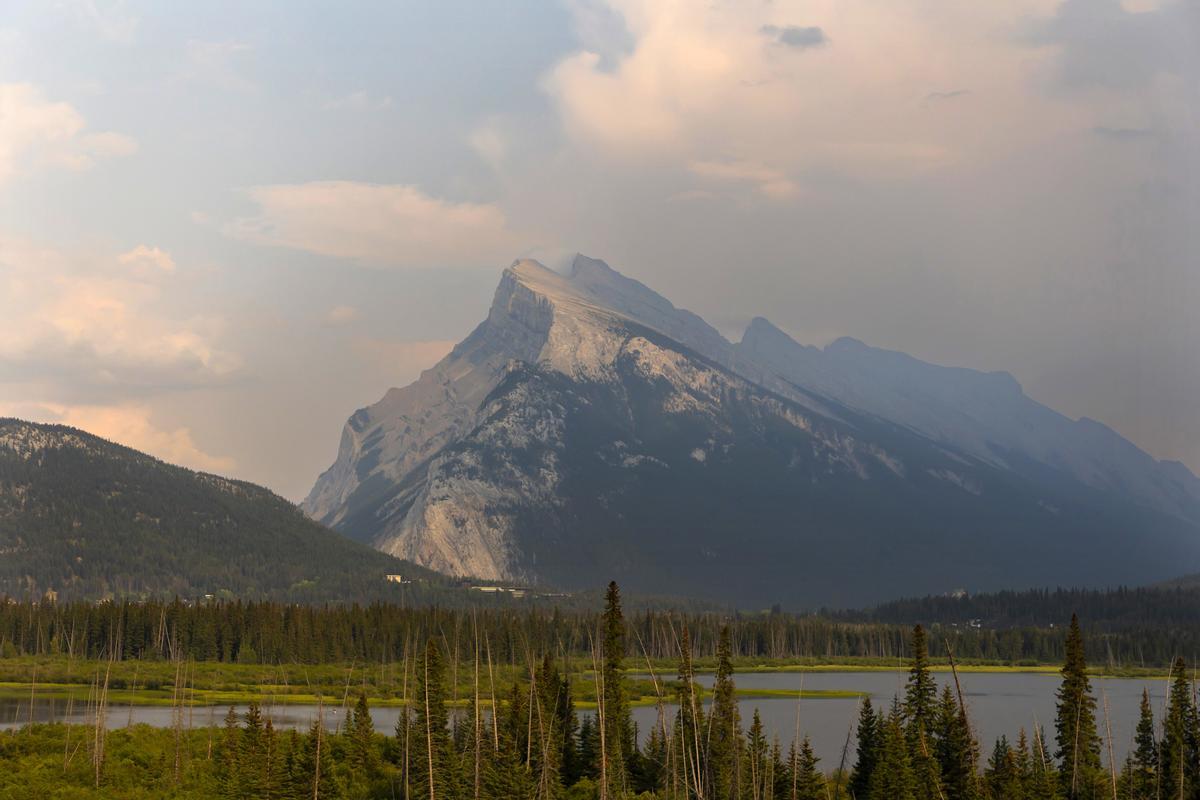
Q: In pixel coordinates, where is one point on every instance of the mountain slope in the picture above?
(589, 430)
(88, 518)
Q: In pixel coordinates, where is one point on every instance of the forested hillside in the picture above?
(86, 518)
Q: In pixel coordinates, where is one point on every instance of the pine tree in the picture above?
(432, 757)
(892, 777)
(618, 723)
(920, 696)
(252, 753)
(1043, 782)
(955, 750)
(314, 766)
(723, 744)
(363, 757)
(755, 761)
(1002, 774)
(1179, 738)
(1075, 724)
(1142, 772)
(869, 746)
(810, 784)
(228, 763)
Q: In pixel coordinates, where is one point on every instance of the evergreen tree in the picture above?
(1142, 771)
(1043, 782)
(229, 776)
(1178, 747)
(1075, 724)
(869, 745)
(363, 756)
(755, 760)
(314, 767)
(722, 737)
(809, 782)
(892, 777)
(920, 696)
(955, 750)
(1002, 775)
(618, 723)
(252, 753)
(589, 749)
(432, 758)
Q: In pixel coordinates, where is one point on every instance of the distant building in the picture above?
(396, 579)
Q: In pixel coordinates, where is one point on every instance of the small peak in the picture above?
(584, 267)
(846, 344)
(761, 326)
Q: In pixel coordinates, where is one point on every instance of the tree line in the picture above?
(273, 633)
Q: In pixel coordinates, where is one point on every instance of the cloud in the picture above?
(130, 425)
(37, 132)
(93, 328)
(795, 36)
(697, 86)
(770, 182)
(384, 225)
(143, 256)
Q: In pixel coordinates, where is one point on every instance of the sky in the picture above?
(225, 226)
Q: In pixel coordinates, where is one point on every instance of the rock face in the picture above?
(589, 430)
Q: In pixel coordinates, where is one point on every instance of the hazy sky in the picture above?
(226, 225)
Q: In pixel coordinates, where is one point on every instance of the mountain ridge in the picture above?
(84, 517)
(575, 382)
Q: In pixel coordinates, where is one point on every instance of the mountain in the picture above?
(87, 518)
(588, 430)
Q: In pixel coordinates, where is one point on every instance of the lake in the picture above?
(998, 703)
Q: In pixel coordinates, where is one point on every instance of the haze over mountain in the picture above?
(588, 430)
(87, 518)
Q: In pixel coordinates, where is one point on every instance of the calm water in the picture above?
(999, 703)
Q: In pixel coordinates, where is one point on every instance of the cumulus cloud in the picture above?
(384, 225)
(144, 256)
(98, 327)
(711, 84)
(35, 131)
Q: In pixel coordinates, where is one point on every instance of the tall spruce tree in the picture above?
(619, 743)
(1075, 724)
(1142, 772)
(809, 782)
(955, 749)
(920, 695)
(723, 726)
(892, 777)
(1179, 739)
(755, 761)
(1003, 775)
(869, 733)
(432, 758)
